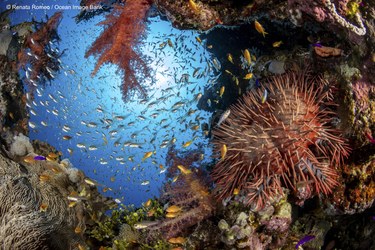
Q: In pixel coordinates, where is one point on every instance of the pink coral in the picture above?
(332, 13)
(190, 193)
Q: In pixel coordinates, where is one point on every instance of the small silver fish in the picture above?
(145, 224)
(223, 117)
(145, 183)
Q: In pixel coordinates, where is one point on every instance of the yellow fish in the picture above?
(248, 76)
(78, 230)
(184, 170)
(90, 182)
(277, 44)
(228, 72)
(253, 58)
(193, 6)
(175, 178)
(147, 155)
(173, 209)
(247, 56)
(29, 159)
(43, 207)
(187, 144)
(222, 89)
(50, 159)
(260, 28)
(177, 240)
(236, 81)
(196, 127)
(223, 151)
(171, 215)
(236, 191)
(264, 97)
(170, 44)
(162, 45)
(198, 39)
(148, 203)
(44, 178)
(53, 155)
(230, 58)
(72, 204)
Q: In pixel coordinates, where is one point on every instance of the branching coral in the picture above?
(37, 52)
(280, 136)
(189, 192)
(123, 30)
(193, 198)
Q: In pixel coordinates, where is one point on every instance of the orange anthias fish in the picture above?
(193, 6)
(184, 170)
(223, 151)
(177, 240)
(222, 89)
(247, 56)
(187, 144)
(260, 28)
(174, 209)
(147, 155)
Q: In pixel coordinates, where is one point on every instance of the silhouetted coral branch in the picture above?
(37, 52)
(123, 29)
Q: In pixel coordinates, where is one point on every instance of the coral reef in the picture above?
(316, 224)
(359, 100)
(279, 135)
(116, 44)
(192, 14)
(13, 114)
(37, 57)
(206, 14)
(41, 205)
(358, 193)
(332, 13)
(265, 229)
(33, 213)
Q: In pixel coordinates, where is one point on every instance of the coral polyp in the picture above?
(280, 135)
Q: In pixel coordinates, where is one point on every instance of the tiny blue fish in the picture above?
(304, 240)
(317, 45)
(39, 158)
(257, 83)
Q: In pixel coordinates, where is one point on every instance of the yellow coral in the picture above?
(352, 8)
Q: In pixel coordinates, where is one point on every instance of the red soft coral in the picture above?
(123, 29)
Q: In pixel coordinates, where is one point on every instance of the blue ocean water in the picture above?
(110, 137)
